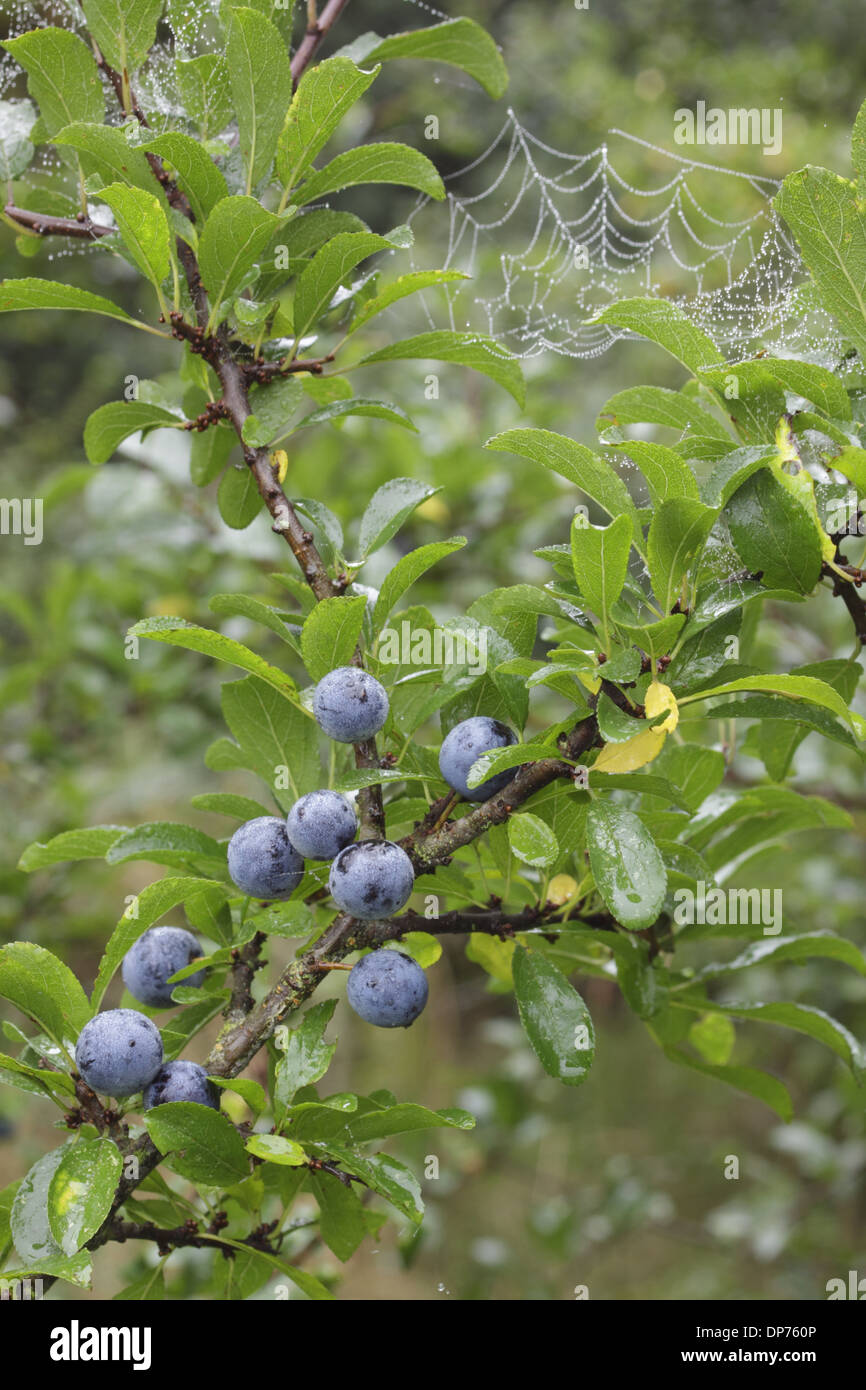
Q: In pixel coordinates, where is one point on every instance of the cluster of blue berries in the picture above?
(120, 1052)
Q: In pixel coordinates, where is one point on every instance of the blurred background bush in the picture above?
(619, 1185)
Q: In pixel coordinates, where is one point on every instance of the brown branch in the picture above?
(428, 851)
(81, 227)
(848, 592)
(317, 28)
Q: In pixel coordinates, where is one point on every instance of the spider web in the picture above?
(550, 238)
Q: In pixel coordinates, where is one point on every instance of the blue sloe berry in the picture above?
(263, 862)
(371, 879)
(119, 1052)
(350, 705)
(181, 1081)
(464, 745)
(321, 823)
(387, 988)
(155, 957)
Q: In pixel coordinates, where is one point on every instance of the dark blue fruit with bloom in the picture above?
(387, 988)
(350, 705)
(155, 957)
(262, 859)
(371, 879)
(464, 745)
(119, 1052)
(321, 823)
(181, 1081)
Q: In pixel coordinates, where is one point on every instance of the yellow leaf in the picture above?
(634, 753)
(658, 699)
(280, 464)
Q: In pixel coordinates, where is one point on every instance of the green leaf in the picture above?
(825, 213)
(44, 989)
(165, 842)
(150, 1288)
(278, 739)
(249, 1091)
(235, 236)
(385, 162)
(407, 570)
(656, 405)
(677, 535)
(241, 605)
(388, 508)
(50, 294)
(774, 535)
(803, 1019)
(356, 405)
(394, 1119)
(331, 633)
(261, 83)
(17, 119)
(124, 29)
(327, 271)
(238, 497)
(306, 1056)
(807, 946)
(272, 407)
(93, 843)
(144, 228)
(341, 1216)
(460, 42)
(532, 841)
(554, 1016)
(229, 804)
(107, 154)
(466, 349)
(755, 1083)
(713, 1036)
(31, 1231)
(198, 176)
(202, 83)
(808, 688)
(663, 322)
(275, 1149)
(814, 383)
(110, 424)
(146, 908)
(325, 93)
(179, 633)
(82, 1190)
(387, 1176)
(599, 555)
(627, 867)
(209, 453)
(62, 77)
(644, 783)
(592, 474)
(405, 285)
(201, 1144)
(667, 476)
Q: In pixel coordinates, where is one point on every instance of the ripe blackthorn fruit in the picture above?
(157, 955)
(350, 705)
(464, 745)
(181, 1081)
(119, 1052)
(387, 988)
(321, 823)
(371, 879)
(262, 859)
